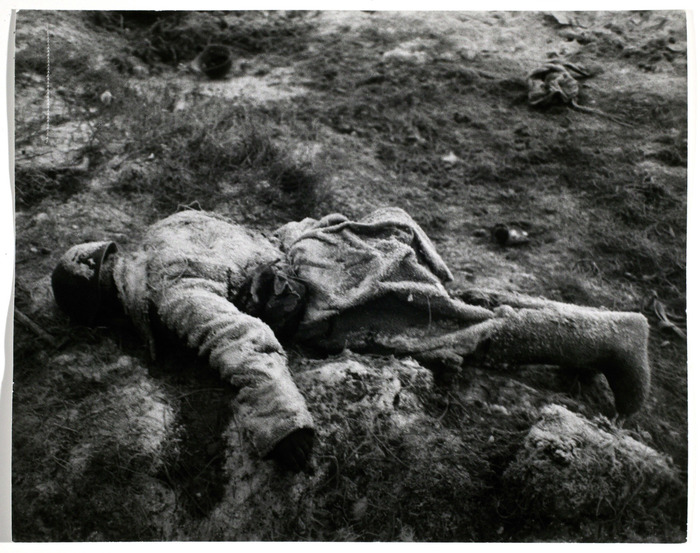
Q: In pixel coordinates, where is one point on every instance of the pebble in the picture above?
(106, 97)
(41, 218)
(450, 158)
(359, 508)
(468, 54)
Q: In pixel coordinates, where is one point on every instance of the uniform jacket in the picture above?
(183, 273)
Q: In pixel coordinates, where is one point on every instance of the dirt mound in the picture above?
(571, 471)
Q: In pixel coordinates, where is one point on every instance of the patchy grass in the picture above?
(176, 37)
(98, 483)
(604, 206)
(215, 154)
(415, 114)
(381, 487)
(68, 497)
(33, 185)
(71, 68)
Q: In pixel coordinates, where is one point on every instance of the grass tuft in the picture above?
(177, 37)
(33, 185)
(215, 154)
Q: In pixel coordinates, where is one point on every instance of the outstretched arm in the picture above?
(245, 352)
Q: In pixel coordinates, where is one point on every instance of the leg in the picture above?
(491, 299)
(541, 331)
(449, 349)
(446, 330)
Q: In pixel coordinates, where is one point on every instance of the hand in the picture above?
(293, 452)
(274, 295)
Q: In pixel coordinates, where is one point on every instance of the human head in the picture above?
(82, 281)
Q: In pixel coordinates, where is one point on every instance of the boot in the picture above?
(613, 343)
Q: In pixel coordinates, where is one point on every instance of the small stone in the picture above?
(450, 158)
(106, 97)
(124, 362)
(359, 508)
(468, 54)
(41, 218)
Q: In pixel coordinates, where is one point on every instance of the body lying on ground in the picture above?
(373, 285)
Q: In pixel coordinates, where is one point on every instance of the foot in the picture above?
(627, 366)
(293, 452)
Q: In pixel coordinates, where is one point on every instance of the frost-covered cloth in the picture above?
(185, 273)
(381, 263)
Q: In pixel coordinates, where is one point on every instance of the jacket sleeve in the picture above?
(245, 352)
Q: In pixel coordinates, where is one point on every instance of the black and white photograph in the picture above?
(349, 276)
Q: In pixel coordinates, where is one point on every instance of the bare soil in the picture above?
(347, 112)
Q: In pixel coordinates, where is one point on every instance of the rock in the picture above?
(572, 469)
(106, 97)
(411, 51)
(405, 55)
(469, 54)
(451, 158)
(359, 508)
(565, 19)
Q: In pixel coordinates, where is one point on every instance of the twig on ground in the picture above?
(36, 329)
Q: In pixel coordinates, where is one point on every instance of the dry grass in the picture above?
(415, 114)
(176, 37)
(214, 154)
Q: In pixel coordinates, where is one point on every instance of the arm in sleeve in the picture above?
(245, 352)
